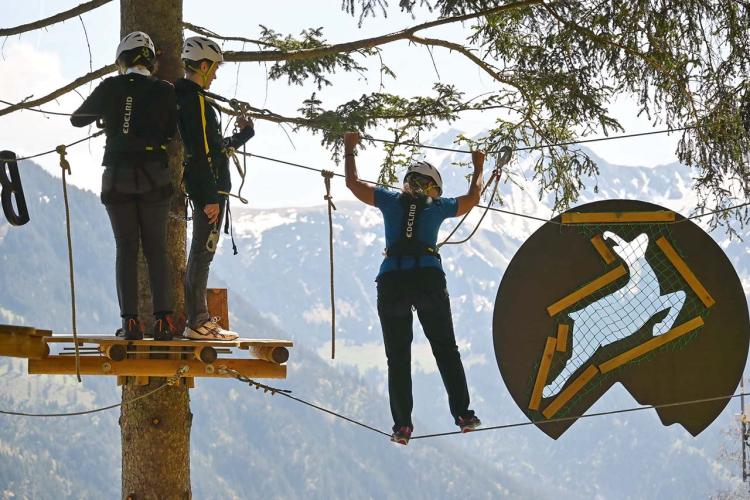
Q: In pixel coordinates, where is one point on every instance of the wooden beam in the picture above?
(542, 372)
(618, 217)
(241, 343)
(563, 331)
(587, 290)
(218, 305)
(276, 355)
(570, 391)
(65, 365)
(651, 344)
(603, 249)
(685, 272)
(23, 342)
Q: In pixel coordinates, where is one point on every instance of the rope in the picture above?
(493, 209)
(53, 150)
(500, 162)
(327, 176)
(588, 415)
(65, 165)
(495, 181)
(173, 380)
(222, 369)
(287, 394)
(536, 146)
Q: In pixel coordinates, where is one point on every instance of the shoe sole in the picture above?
(400, 441)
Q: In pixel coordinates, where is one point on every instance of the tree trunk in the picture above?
(155, 431)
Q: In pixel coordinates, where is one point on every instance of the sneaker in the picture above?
(401, 435)
(210, 330)
(468, 423)
(131, 329)
(164, 327)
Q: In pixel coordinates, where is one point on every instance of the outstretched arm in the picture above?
(471, 199)
(362, 191)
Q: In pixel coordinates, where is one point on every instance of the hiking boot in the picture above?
(401, 435)
(131, 329)
(468, 423)
(210, 330)
(164, 327)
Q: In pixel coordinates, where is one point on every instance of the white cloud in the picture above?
(29, 71)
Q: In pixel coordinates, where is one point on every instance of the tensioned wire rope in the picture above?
(488, 207)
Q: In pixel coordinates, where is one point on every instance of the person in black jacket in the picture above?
(140, 118)
(206, 177)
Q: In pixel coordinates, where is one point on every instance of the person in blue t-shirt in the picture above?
(411, 276)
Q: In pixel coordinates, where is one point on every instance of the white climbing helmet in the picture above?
(135, 40)
(197, 48)
(426, 169)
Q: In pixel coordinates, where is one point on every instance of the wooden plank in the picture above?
(603, 249)
(65, 365)
(563, 331)
(618, 217)
(651, 344)
(571, 390)
(23, 344)
(587, 290)
(190, 382)
(685, 272)
(542, 372)
(23, 330)
(218, 305)
(241, 343)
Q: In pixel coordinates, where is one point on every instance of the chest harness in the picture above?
(408, 245)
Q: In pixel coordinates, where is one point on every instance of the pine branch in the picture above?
(210, 34)
(57, 18)
(366, 43)
(61, 91)
(430, 42)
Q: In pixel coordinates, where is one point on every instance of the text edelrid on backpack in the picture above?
(126, 116)
(410, 220)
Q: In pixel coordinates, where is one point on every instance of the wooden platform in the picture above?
(140, 359)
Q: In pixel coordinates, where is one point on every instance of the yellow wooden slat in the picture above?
(563, 331)
(651, 344)
(570, 391)
(618, 217)
(65, 365)
(685, 272)
(587, 290)
(542, 372)
(603, 249)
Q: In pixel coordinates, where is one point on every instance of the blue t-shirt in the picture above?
(428, 226)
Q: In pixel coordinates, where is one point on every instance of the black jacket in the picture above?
(140, 118)
(206, 161)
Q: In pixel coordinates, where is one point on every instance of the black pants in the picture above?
(141, 220)
(425, 290)
(198, 265)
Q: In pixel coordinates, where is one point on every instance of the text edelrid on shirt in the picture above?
(410, 220)
(126, 116)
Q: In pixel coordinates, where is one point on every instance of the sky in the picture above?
(38, 62)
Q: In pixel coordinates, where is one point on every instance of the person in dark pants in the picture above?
(411, 277)
(207, 179)
(140, 118)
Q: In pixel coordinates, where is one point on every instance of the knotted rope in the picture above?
(65, 165)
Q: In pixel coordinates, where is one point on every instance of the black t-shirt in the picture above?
(140, 118)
